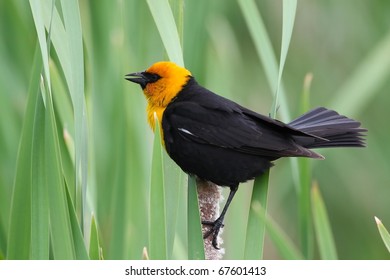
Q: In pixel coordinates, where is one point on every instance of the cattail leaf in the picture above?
(165, 22)
(326, 244)
(72, 24)
(255, 232)
(384, 233)
(157, 222)
(19, 231)
(195, 238)
(40, 238)
(94, 244)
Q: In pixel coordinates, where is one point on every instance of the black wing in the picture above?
(201, 116)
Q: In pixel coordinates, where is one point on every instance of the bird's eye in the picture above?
(152, 77)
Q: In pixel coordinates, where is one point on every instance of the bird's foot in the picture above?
(214, 230)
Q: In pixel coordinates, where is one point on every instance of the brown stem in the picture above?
(209, 195)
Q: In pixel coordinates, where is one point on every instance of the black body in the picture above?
(220, 141)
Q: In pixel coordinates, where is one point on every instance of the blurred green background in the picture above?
(344, 44)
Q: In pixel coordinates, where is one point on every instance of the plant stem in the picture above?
(209, 195)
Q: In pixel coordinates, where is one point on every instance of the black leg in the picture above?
(218, 223)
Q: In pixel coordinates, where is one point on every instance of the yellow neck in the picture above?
(161, 92)
(159, 112)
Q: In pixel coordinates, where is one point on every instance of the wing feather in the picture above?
(209, 119)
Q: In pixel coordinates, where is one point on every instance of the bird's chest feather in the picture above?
(158, 111)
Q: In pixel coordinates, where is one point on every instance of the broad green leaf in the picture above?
(255, 232)
(36, 10)
(326, 244)
(289, 11)
(177, 7)
(65, 126)
(304, 208)
(384, 233)
(174, 182)
(157, 227)
(128, 195)
(94, 246)
(59, 39)
(19, 232)
(195, 238)
(40, 205)
(40, 238)
(72, 24)
(165, 22)
(68, 174)
(304, 188)
(78, 240)
(3, 242)
(61, 233)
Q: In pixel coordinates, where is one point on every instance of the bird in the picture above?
(218, 140)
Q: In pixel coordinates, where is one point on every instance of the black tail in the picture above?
(329, 130)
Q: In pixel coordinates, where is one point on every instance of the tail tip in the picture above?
(319, 156)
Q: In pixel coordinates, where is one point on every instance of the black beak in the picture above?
(142, 78)
(138, 78)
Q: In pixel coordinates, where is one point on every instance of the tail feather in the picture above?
(329, 129)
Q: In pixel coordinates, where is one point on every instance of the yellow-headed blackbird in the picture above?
(220, 141)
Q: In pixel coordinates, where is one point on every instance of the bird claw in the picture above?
(214, 231)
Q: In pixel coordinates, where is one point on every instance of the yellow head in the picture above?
(161, 82)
